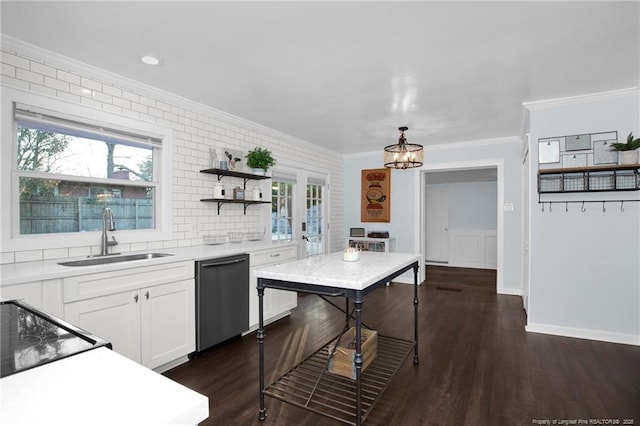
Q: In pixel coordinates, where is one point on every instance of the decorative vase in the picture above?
(629, 157)
(259, 172)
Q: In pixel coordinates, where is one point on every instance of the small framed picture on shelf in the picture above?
(603, 154)
(577, 142)
(235, 159)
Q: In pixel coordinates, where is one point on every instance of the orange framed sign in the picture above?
(375, 197)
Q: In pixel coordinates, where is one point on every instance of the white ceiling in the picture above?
(346, 75)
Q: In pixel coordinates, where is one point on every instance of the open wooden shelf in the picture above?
(220, 173)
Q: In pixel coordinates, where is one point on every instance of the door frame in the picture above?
(292, 170)
(498, 163)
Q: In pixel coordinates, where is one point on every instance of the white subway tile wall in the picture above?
(196, 128)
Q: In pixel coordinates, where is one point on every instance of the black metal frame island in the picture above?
(309, 385)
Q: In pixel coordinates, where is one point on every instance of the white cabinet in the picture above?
(152, 324)
(276, 303)
(115, 318)
(42, 295)
(384, 245)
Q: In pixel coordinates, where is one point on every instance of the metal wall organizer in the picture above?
(583, 163)
(589, 179)
(586, 150)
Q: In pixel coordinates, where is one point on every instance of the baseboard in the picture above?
(171, 364)
(583, 333)
(267, 322)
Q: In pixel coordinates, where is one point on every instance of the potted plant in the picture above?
(260, 159)
(628, 151)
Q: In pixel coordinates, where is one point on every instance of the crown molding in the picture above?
(444, 146)
(580, 99)
(38, 54)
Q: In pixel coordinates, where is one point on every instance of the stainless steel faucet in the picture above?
(107, 217)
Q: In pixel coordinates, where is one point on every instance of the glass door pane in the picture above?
(314, 219)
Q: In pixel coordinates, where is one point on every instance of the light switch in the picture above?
(508, 207)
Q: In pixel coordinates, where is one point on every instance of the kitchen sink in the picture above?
(103, 260)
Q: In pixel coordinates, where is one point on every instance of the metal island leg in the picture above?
(415, 314)
(358, 360)
(262, 413)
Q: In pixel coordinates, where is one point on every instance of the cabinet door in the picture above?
(30, 293)
(115, 318)
(168, 322)
(282, 301)
(275, 302)
(253, 301)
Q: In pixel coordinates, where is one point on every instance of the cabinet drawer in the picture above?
(271, 256)
(87, 286)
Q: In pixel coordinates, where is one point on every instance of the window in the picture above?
(62, 163)
(281, 209)
(69, 171)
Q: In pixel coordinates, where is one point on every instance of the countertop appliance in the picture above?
(30, 338)
(222, 300)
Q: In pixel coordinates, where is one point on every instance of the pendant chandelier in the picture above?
(403, 155)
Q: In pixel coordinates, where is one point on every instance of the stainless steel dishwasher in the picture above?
(222, 299)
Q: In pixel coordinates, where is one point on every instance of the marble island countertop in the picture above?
(331, 271)
(16, 273)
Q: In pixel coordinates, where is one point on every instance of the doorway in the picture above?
(480, 244)
(299, 210)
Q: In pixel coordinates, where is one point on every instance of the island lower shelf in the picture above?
(310, 386)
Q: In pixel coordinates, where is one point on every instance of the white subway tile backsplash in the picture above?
(56, 84)
(30, 76)
(42, 89)
(138, 246)
(130, 96)
(55, 253)
(28, 256)
(7, 257)
(91, 84)
(69, 77)
(79, 251)
(43, 69)
(15, 60)
(195, 130)
(8, 70)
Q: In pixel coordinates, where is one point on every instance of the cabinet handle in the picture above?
(146, 294)
(136, 297)
(275, 255)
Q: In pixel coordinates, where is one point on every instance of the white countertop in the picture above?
(98, 387)
(16, 273)
(331, 271)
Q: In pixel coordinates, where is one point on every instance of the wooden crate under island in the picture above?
(342, 362)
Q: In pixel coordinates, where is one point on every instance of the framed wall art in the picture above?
(375, 197)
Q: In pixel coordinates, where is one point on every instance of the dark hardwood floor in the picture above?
(477, 364)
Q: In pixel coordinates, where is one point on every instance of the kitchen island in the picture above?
(97, 387)
(343, 399)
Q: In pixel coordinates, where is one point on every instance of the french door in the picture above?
(299, 211)
(313, 226)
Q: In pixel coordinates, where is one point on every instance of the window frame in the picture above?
(10, 237)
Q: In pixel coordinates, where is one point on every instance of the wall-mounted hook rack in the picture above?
(583, 208)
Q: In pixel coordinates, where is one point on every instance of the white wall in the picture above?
(585, 267)
(472, 205)
(195, 128)
(406, 197)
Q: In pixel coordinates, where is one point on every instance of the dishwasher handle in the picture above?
(222, 263)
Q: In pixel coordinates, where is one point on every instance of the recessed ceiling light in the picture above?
(150, 60)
